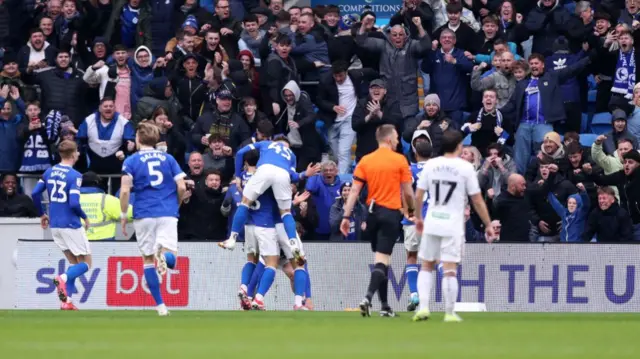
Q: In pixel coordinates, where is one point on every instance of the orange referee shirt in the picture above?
(383, 170)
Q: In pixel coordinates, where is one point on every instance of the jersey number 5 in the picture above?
(156, 176)
(452, 186)
(57, 191)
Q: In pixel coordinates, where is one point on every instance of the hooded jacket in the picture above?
(573, 224)
(493, 178)
(140, 76)
(304, 116)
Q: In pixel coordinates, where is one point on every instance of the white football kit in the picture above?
(449, 181)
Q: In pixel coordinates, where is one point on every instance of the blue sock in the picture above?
(240, 218)
(307, 290)
(289, 225)
(267, 280)
(76, 270)
(152, 282)
(171, 259)
(299, 281)
(247, 272)
(255, 279)
(412, 277)
(71, 286)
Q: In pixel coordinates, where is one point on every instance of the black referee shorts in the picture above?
(383, 229)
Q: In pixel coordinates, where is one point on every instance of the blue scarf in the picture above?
(625, 76)
(36, 156)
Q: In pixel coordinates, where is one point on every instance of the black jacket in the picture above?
(229, 42)
(546, 24)
(191, 92)
(18, 205)
(513, 214)
(611, 225)
(366, 130)
(629, 189)
(275, 73)
(25, 52)
(423, 11)
(541, 209)
(465, 37)
(328, 92)
(435, 132)
(201, 217)
(228, 125)
(64, 93)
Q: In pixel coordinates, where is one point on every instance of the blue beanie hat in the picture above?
(190, 21)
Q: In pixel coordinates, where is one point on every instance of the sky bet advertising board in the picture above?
(506, 277)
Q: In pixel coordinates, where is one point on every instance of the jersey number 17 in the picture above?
(452, 187)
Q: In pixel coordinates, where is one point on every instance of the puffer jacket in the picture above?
(63, 90)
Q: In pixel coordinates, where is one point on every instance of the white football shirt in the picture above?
(449, 181)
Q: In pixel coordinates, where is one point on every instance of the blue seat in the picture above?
(591, 81)
(601, 123)
(587, 139)
(347, 177)
(405, 147)
(467, 140)
(592, 96)
(465, 116)
(584, 124)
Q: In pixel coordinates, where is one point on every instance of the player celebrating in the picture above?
(421, 145)
(159, 187)
(275, 166)
(63, 184)
(449, 180)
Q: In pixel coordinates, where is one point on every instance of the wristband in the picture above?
(124, 215)
(346, 217)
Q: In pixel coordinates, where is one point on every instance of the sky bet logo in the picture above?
(86, 281)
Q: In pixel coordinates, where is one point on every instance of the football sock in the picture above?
(247, 272)
(152, 282)
(412, 277)
(171, 259)
(383, 291)
(450, 288)
(72, 273)
(425, 283)
(299, 285)
(266, 281)
(239, 219)
(307, 290)
(255, 279)
(378, 275)
(289, 225)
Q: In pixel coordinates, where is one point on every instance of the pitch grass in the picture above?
(310, 335)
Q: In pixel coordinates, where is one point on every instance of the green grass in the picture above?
(225, 335)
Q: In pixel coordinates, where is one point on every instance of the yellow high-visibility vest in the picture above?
(103, 211)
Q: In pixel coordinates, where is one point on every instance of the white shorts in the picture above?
(445, 249)
(283, 241)
(411, 240)
(270, 176)
(250, 240)
(267, 241)
(152, 233)
(72, 239)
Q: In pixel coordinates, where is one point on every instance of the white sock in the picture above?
(161, 308)
(68, 299)
(425, 283)
(450, 288)
(63, 276)
(243, 288)
(298, 300)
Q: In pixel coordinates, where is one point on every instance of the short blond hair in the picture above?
(148, 134)
(67, 149)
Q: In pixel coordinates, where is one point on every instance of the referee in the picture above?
(387, 176)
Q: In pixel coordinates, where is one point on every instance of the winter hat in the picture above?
(561, 44)
(432, 98)
(602, 16)
(618, 114)
(345, 184)
(632, 155)
(190, 21)
(553, 137)
(9, 57)
(347, 21)
(378, 83)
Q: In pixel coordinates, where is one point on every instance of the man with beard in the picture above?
(12, 203)
(512, 210)
(190, 89)
(37, 54)
(604, 69)
(502, 80)
(230, 28)
(553, 149)
(200, 215)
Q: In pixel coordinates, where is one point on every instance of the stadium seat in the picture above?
(347, 177)
(584, 124)
(587, 139)
(467, 140)
(592, 96)
(405, 147)
(465, 116)
(601, 123)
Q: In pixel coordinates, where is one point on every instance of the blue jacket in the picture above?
(449, 81)
(140, 77)
(324, 195)
(550, 94)
(10, 146)
(572, 223)
(489, 58)
(161, 30)
(560, 60)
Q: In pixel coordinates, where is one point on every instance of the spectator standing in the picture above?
(11, 76)
(306, 214)
(411, 9)
(578, 159)
(428, 120)
(190, 91)
(9, 127)
(512, 28)
(278, 71)
(172, 140)
(604, 68)
(553, 150)
(399, 58)
(37, 54)
(159, 93)
(192, 8)
(164, 12)
(230, 28)
(442, 13)
(633, 122)
(547, 21)
(114, 80)
(495, 172)
(200, 215)
(106, 136)
(618, 131)
(338, 95)
(574, 216)
(38, 138)
(449, 70)
(609, 223)
(626, 71)
(249, 65)
(130, 24)
(324, 190)
(254, 118)
(512, 210)
(502, 80)
(219, 158)
(311, 46)
(251, 36)
(12, 203)
(142, 68)
(487, 125)
(196, 167)
(609, 164)
(464, 33)
(358, 217)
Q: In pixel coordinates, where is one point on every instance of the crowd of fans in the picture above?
(217, 75)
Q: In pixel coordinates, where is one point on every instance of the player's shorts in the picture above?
(445, 249)
(411, 239)
(250, 240)
(152, 233)
(267, 241)
(270, 176)
(72, 239)
(283, 242)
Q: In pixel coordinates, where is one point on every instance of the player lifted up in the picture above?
(275, 167)
(449, 180)
(63, 184)
(157, 181)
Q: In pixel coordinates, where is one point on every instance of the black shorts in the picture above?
(383, 229)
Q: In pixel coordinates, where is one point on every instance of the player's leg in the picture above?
(387, 235)
(146, 236)
(411, 245)
(451, 256)
(251, 248)
(297, 264)
(429, 253)
(166, 244)
(268, 246)
(307, 290)
(281, 187)
(255, 278)
(78, 253)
